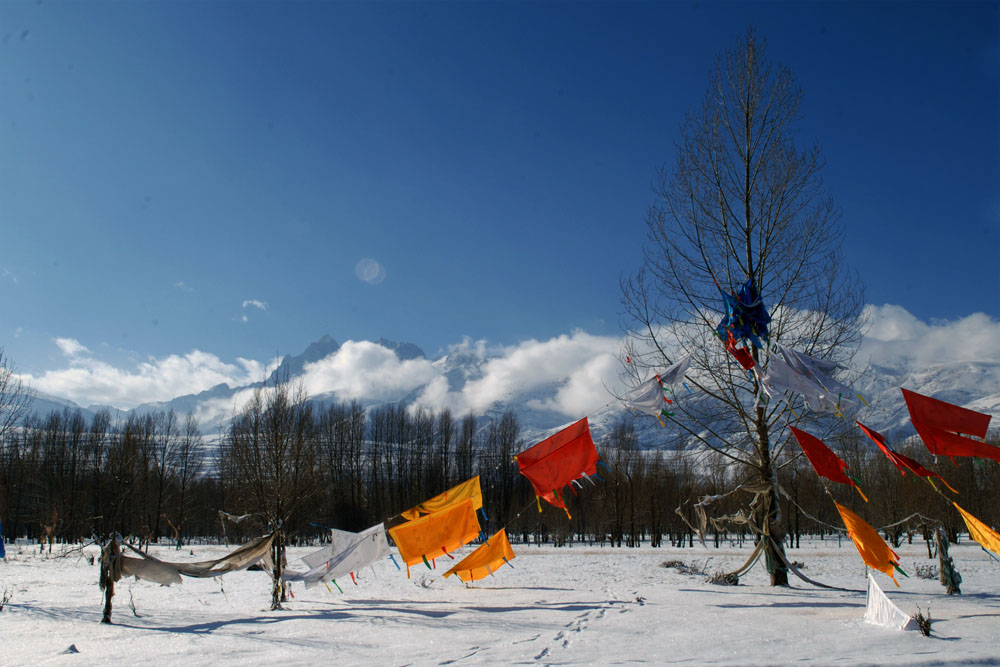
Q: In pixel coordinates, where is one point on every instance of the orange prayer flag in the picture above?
(874, 551)
(470, 488)
(484, 560)
(426, 537)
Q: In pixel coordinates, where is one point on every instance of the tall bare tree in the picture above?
(15, 396)
(741, 203)
(272, 448)
(187, 461)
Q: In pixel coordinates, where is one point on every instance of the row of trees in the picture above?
(291, 465)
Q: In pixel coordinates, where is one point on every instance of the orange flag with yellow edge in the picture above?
(485, 560)
(470, 488)
(436, 534)
(980, 532)
(874, 551)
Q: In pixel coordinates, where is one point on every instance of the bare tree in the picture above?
(187, 461)
(742, 205)
(15, 396)
(273, 451)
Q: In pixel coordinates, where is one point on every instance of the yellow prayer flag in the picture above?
(980, 532)
(470, 488)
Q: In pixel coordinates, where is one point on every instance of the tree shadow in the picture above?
(554, 606)
(792, 605)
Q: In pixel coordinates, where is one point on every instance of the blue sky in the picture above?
(208, 175)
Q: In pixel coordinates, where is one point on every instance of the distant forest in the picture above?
(152, 478)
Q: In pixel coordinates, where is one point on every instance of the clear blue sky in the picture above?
(165, 164)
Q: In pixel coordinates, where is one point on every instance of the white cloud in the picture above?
(89, 380)
(897, 336)
(71, 347)
(569, 374)
(580, 365)
(183, 287)
(261, 305)
(368, 371)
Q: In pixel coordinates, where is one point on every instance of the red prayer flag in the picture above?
(940, 441)
(822, 458)
(898, 459)
(558, 460)
(741, 354)
(934, 412)
(939, 425)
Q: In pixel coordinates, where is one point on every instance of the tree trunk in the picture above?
(276, 588)
(950, 578)
(110, 570)
(774, 548)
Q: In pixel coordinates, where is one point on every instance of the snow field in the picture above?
(571, 605)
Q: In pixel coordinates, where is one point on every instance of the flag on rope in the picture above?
(436, 534)
(741, 354)
(874, 551)
(469, 489)
(880, 610)
(745, 316)
(347, 553)
(650, 397)
(903, 463)
(823, 460)
(798, 373)
(559, 460)
(980, 532)
(485, 560)
(944, 427)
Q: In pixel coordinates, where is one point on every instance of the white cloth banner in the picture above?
(880, 610)
(349, 553)
(798, 373)
(339, 541)
(648, 396)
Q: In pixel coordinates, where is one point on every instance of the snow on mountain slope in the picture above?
(473, 377)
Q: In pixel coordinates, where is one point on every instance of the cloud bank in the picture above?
(580, 366)
(896, 337)
(88, 380)
(569, 374)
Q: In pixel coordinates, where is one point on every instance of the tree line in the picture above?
(287, 463)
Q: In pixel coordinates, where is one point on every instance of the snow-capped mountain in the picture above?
(386, 371)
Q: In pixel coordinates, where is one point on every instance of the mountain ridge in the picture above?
(972, 384)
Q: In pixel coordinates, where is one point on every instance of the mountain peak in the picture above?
(405, 351)
(293, 366)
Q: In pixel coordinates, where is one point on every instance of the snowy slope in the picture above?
(974, 384)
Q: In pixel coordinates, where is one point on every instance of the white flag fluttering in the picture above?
(348, 553)
(880, 610)
(649, 396)
(798, 373)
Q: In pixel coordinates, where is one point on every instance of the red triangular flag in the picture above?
(940, 424)
(822, 458)
(898, 459)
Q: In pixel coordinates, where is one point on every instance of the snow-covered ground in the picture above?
(572, 605)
